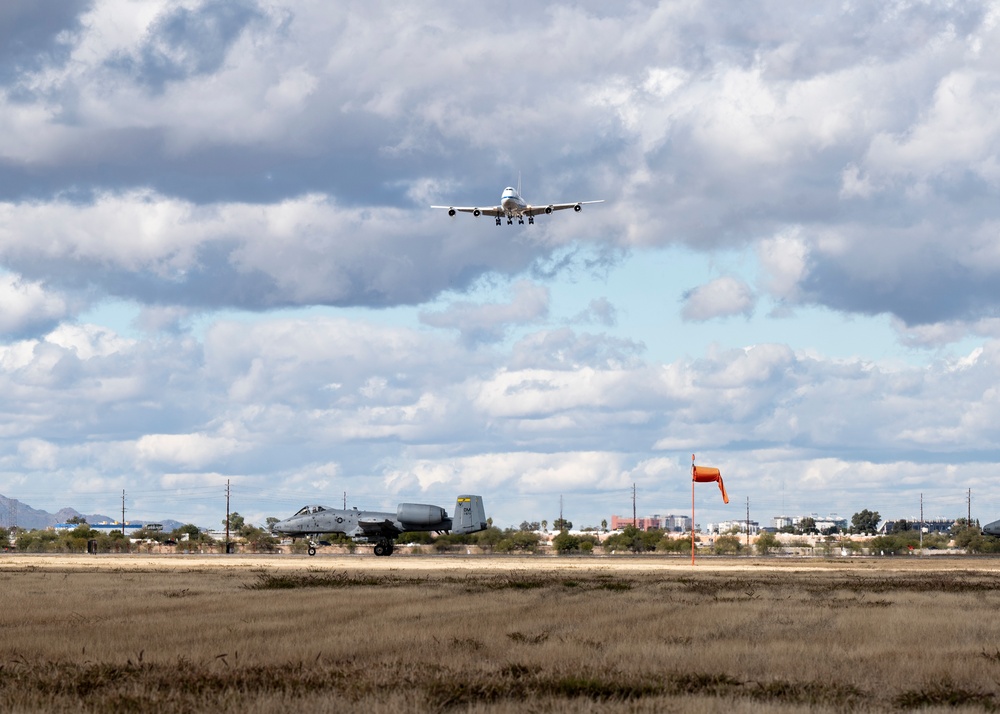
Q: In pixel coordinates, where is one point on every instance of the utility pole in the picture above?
(921, 524)
(562, 523)
(635, 521)
(227, 515)
(968, 505)
(748, 525)
(123, 512)
(345, 500)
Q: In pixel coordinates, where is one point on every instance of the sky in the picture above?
(219, 264)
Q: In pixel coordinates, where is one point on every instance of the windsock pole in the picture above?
(692, 510)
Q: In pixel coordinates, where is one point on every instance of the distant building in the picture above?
(728, 526)
(643, 523)
(823, 523)
(670, 523)
(677, 524)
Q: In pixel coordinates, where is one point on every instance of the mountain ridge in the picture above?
(16, 513)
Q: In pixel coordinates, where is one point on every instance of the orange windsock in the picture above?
(704, 474)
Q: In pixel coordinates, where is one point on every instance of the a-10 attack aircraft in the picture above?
(513, 206)
(383, 528)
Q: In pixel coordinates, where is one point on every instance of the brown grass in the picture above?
(497, 635)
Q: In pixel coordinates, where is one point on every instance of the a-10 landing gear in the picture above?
(382, 547)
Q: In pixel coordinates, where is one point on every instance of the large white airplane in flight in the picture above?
(513, 206)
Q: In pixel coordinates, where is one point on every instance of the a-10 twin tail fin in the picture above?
(469, 515)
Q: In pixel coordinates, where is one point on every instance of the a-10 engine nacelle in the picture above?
(417, 514)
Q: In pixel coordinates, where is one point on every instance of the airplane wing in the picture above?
(378, 526)
(474, 210)
(578, 206)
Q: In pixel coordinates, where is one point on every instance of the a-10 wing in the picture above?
(378, 527)
(475, 210)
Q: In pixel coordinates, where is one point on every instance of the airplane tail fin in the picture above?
(469, 515)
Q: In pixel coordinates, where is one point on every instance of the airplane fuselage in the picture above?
(313, 520)
(512, 204)
(381, 527)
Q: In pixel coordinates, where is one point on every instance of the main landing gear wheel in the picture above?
(498, 220)
(383, 547)
(312, 550)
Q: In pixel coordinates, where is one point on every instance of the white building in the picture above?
(823, 523)
(724, 527)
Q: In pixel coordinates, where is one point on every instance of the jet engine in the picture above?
(451, 211)
(417, 514)
(578, 208)
(548, 209)
(476, 213)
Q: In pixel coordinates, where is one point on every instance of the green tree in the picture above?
(416, 537)
(972, 540)
(236, 523)
(518, 542)
(727, 545)
(488, 539)
(634, 540)
(259, 539)
(630, 539)
(865, 521)
(604, 524)
(192, 531)
(767, 543)
(808, 526)
(666, 544)
(565, 543)
(561, 524)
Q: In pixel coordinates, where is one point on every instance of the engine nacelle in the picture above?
(548, 209)
(451, 211)
(578, 208)
(418, 514)
(477, 213)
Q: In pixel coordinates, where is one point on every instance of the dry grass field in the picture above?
(490, 634)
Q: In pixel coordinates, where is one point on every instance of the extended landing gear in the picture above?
(383, 547)
(531, 220)
(498, 220)
(510, 221)
(520, 220)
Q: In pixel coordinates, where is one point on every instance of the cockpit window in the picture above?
(309, 510)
